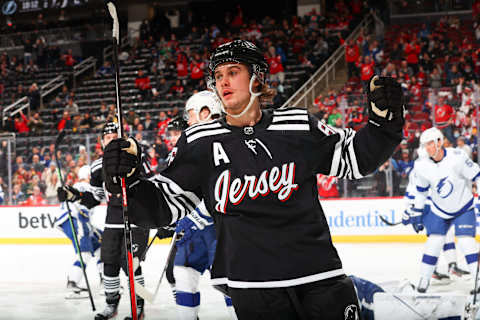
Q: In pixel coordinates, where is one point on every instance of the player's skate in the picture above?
(140, 310)
(456, 272)
(75, 292)
(111, 309)
(440, 278)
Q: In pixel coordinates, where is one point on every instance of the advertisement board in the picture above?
(350, 220)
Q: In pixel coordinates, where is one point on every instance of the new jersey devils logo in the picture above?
(351, 312)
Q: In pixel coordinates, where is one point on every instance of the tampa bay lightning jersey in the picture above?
(259, 184)
(448, 182)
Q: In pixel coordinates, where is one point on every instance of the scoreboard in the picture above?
(11, 7)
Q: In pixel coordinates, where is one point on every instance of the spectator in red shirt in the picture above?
(163, 121)
(352, 54)
(21, 123)
(142, 83)
(177, 88)
(36, 198)
(276, 67)
(412, 52)
(444, 118)
(327, 186)
(68, 58)
(196, 68)
(366, 70)
(65, 122)
(182, 65)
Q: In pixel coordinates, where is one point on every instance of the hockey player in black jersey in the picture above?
(256, 172)
(112, 247)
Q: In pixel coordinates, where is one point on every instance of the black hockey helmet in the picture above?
(239, 51)
(109, 127)
(177, 124)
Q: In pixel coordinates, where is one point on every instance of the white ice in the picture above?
(33, 280)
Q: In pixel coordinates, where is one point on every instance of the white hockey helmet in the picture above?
(422, 153)
(84, 172)
(203, 99)
(431, 134)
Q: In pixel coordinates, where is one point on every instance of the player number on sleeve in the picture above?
(325, 128)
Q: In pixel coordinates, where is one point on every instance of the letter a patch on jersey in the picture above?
(219, 154)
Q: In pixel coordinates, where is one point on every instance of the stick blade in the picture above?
(141, 291)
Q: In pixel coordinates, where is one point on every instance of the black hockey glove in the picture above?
(68, 193)
(385, 97)
(121, 158)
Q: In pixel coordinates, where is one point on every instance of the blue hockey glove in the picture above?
(416, 219)
(190, 224)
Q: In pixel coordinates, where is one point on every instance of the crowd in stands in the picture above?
(175, 70)
(438, 66)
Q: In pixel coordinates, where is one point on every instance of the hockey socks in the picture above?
(433, 247)
(470, 249)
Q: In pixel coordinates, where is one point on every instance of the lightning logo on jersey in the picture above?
(444, 188)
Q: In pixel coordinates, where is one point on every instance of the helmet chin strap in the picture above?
(253, 95)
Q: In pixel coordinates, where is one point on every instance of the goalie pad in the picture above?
(419, 306)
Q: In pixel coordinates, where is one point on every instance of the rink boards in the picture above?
(350, 220)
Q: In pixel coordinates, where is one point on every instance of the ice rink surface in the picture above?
(33, 280)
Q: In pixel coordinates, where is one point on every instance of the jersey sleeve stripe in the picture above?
(476, 176)
(289, 111)
(172, 204)
(422, 189)
(289, 127)
(180, 202)
(344, 160)
(208, 133)
(290, 118)
(198, 127)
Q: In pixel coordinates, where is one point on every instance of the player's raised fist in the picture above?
(121, 158)
(385, 97)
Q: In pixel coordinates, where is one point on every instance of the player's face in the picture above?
(432, 148)
(174, 135)
(232, 83)
(108, 137)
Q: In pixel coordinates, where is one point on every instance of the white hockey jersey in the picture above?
(449, 182)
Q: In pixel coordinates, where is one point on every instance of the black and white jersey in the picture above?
(259, 184)
(114, 218)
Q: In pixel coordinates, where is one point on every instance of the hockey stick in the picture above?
(141, 290)
(127, 228)
(475, 287)
(388, 223)
(60, 137)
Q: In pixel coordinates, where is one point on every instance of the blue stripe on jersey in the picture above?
(465, 208)
(188, 299)
(423, 189)
(449, 246)
(476, 176)
(77, 264)
(431, 260)
(417, 210)
(409, 196)
(471, 258)
(451, 318)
